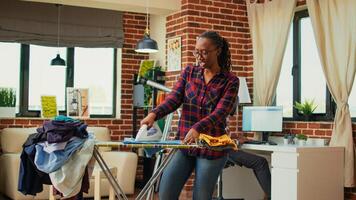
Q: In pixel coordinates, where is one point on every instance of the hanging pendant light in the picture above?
(146, 44)
(58, 61)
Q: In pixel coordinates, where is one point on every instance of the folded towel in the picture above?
(223, 142)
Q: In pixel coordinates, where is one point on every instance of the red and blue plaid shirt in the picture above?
(205, 106)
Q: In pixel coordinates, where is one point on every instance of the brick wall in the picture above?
(229, 18)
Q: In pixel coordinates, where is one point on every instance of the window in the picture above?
(10, 67)
(284, 94)
(27, 68)
(94, 69)
(313, 82)
(352, 100)
(302, 77)
(46, 79)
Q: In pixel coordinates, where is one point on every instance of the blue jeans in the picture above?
(179, 170)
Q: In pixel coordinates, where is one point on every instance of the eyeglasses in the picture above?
(203, 53)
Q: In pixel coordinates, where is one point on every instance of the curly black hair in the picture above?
(224, 58)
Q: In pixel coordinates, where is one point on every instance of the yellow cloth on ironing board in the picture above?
(223, 140)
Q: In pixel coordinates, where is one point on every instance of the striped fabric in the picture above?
(205, 107)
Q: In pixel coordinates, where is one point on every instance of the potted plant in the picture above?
(285, 139)
(301, 139)
(288, 139)
(7, 102)
(306, 108)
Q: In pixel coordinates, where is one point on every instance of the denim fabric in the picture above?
(61, 131)
(179, 170)
(50, 162)
(68, 178)
(30, 179)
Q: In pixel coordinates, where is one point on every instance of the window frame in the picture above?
(69, 82)
(296, 75)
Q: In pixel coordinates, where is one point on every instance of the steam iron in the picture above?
(152, 134)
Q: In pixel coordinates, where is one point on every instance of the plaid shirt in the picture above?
(205, 106)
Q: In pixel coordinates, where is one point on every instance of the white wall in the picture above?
(158, 33)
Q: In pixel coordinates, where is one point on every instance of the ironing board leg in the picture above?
(118, 190)
(154, 188)
(155, 176)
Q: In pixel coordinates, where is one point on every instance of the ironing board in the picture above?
(117, 189)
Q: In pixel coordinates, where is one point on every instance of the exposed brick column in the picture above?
(134, 27)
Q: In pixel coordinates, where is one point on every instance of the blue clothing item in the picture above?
(30, 180)
(61, 131)
(168, 142)
(50, 162)
(151, 151)
(179, 170)
(65, 119)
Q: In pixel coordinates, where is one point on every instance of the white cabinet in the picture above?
(298, 173)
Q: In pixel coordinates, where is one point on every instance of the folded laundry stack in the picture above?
(221, 143)
(58, 154)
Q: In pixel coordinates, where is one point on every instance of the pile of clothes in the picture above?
(59, 154)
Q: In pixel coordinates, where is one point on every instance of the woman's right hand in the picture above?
(149, 119)
(240, 137)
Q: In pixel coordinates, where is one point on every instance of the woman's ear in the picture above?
(218, 51)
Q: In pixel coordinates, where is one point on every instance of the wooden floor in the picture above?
(184, 196)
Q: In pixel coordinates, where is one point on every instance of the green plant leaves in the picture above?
(306, 108)
(7, 97)
(149, 75)
(301, 137)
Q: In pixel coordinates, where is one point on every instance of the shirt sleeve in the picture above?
(174, 98)
(222, 110)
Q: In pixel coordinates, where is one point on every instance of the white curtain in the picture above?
(334, 25)
(269, 26)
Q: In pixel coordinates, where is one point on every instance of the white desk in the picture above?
(298, 173)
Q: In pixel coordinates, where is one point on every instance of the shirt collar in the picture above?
(220, 74)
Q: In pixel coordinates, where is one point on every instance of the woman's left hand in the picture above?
(191, 136)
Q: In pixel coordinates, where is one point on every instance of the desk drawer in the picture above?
(284, 184)
(285, 160)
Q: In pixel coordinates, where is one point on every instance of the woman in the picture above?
(208, 92)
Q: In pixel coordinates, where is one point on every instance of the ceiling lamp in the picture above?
(146, 44)
(58, 61)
